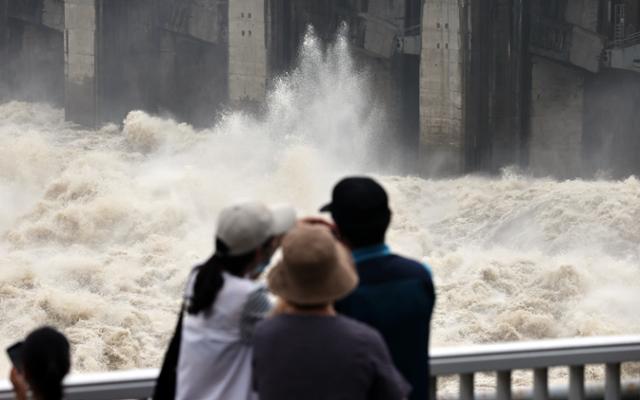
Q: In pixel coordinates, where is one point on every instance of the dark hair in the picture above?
(209, 280)
(46, 361)
(364, 234)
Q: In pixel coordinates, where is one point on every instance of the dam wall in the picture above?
(31, 50)
(164, 56)
(557, 105)
(467, 85)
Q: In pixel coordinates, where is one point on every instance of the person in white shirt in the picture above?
(222, 306)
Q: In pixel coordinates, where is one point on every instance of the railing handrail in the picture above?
(629, 40)
(127, 384)
(534, 354)
(444, 361)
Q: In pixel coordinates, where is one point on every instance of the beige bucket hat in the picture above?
(315, 268)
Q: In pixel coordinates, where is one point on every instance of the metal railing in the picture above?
(117, 385)
(465, 362)
(629, 40)
(538, 356)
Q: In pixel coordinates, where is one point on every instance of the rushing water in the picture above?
(98, 229)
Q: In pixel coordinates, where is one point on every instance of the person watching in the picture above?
(306, 350)
(395, 295)
(210, 354)
(45, 361)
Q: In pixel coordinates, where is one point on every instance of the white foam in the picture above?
(98, 229)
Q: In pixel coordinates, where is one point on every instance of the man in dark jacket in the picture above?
(395, 294)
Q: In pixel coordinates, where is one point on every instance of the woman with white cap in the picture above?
(222, 305)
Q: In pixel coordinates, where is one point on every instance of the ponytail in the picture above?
(208, 283)
(210, 280)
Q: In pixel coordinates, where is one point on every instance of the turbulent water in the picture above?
(98, 229)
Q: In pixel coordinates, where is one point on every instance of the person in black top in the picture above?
(395, 295)
(309, 352)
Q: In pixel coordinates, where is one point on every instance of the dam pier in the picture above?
(469, 85)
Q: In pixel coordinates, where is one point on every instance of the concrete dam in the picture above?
(469, 85)
(126, 125)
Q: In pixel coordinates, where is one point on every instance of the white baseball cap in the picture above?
(246, 226)
(284, 218)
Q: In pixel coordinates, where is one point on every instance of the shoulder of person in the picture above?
(367, 341)
(411, 266)
(258, 299)
(271, 325)
(359, 329)
(243, 285)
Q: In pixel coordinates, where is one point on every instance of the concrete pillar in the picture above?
(556, 131)
(441, 89)
(247, 51)
(80, 38)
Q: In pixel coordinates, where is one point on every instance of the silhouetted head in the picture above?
(360, 208)
(46, 360)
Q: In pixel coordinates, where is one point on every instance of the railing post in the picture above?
(540, 384)
(466, 386)
(503, 387)
(433, 387)
(612, 382)
(576, 382)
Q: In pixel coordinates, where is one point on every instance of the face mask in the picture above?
(264, 264)
(261, 267)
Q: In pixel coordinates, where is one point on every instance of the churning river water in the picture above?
(99, 228)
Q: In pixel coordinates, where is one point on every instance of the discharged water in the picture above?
(99, 228)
